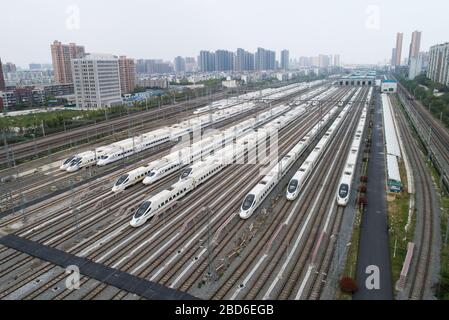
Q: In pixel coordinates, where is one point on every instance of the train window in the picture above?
(122, 179)
(69, 159)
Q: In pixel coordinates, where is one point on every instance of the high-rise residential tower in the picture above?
(61, 55)
(337, 60)
(191, 65)
(265, 59)
(224, 60)
(127, 69)
(206, 61)
(399, 37)
(244, 60)
(414, 45)
(180, 64)
(2, 79)
(284, 59)
(438, 68)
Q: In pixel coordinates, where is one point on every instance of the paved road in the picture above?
(374, 242)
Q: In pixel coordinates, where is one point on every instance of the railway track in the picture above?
(437, 135)
(158, 258)
(21, 195)
(34, 189)
(425, 236)
(25, 150)
(283, 229)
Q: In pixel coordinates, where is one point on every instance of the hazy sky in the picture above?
(360, 31)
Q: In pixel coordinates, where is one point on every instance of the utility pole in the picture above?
(6, 148)
(43, 130)
(209, 272)
(22, 199)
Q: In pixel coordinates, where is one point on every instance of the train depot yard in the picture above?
(245, 198)
(218, 182)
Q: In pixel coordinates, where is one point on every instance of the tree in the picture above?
(348, 285)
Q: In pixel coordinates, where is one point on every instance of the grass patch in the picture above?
(351, 259)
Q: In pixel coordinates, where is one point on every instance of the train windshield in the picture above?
(152, 173)
(248, 202)
(104, 157)
(75, 161)
(186, 173)
(292, 185)
(343, 192)
(142, 209)
(121, 179)
(68, 160)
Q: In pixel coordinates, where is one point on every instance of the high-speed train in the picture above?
(193, 176)
(257, 195)
(205, 146)
(200, 173)
(301, 176)
(79, 161)
(128, 147)
(183, 157)
(174, 161)
(161, 202)
(125, 148)
(344, 186)
(262, 189)
(131, 178)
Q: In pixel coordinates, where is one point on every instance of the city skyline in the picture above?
(366, 38)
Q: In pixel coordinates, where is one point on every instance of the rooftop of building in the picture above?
(99, 56)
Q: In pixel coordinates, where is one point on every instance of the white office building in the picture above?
(96, 81)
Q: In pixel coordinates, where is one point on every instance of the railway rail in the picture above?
(426, 234)
(126, 235)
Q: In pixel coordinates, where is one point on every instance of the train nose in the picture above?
(244, 214)
(134, 223)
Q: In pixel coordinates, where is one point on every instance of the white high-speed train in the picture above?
(78, 161)
(200, 173)
(301, 176)
(344, 186)
(261, 190)
(192, 177)
(257, 195)
(161, 202)
(131, 178)
(125, 148)
(128, 147)
(178, 159)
